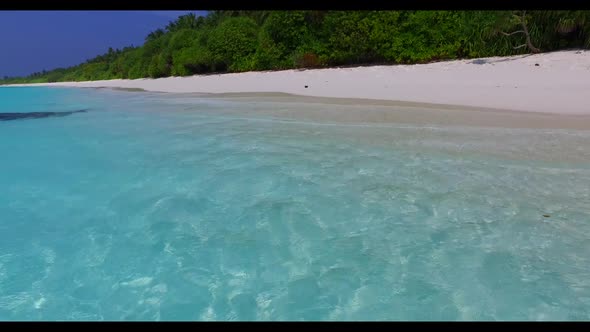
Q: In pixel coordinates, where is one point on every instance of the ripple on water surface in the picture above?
(143, 210)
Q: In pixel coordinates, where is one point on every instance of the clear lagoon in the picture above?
(160, 207)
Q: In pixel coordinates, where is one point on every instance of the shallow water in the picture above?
(152, 207)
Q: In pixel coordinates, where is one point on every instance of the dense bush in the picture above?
(238, 41)
(233, 41)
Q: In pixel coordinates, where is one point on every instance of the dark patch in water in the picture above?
(35, 115)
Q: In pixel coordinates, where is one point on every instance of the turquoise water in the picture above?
(150, 207)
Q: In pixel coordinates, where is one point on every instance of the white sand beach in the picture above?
(557, 83)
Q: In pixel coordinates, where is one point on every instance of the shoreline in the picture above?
(545, 83)
(383, 112)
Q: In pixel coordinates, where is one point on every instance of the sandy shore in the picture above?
(557, 83)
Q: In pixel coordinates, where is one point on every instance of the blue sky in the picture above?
(31, 41)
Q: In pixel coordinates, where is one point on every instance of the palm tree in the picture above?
(154, 35)
(188, 21)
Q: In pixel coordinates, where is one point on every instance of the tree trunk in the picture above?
(526, 33)
(525, 30)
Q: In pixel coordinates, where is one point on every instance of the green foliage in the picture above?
(268, 55)
(193, 60)
(238, 41)
(287, 29)
(185, 22)
(232, 41)
(160, 65)
(347, 35)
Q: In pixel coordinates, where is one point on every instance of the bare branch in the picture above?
(513, 33)
(522, 20)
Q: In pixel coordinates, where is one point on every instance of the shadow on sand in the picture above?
(486, 61)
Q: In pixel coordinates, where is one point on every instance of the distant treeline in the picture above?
(237, 41)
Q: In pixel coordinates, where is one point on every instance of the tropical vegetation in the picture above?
(238, 41)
